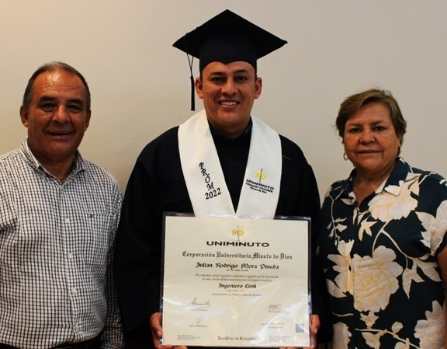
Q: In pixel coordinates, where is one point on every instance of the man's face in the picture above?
(56, 117)
(228, 92)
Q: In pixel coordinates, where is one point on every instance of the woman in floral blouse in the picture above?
(384, 238)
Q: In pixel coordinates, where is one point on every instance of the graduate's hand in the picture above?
(156, 330)
(157, 333)
(314, 326)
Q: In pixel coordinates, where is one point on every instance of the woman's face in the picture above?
(370, 140)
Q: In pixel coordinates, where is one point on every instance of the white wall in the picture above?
(140, 84)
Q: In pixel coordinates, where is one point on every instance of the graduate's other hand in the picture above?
(157, 333)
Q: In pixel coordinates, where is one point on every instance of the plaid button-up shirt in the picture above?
(56, 242)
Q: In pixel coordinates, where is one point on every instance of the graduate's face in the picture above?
(228, 92)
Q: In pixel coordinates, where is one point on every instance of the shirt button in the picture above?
(70, 255)
(74, 291)
(67, 220)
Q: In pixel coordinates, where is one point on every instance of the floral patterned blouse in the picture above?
(380, 261)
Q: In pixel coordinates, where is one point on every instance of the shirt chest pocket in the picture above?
(99, 230)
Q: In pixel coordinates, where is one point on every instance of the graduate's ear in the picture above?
(258, 86)
(199, 87)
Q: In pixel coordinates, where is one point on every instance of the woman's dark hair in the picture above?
(354, 103)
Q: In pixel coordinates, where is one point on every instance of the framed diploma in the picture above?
(235, 282)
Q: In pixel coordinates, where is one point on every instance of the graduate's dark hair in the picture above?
(50, 67)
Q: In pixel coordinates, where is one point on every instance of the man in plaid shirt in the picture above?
(58, 216)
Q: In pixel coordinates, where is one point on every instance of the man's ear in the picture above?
(258, 87)
(24, 115)
(199, 87)
(87, 122)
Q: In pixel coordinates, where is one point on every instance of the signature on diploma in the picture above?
(275, 308)
(202, 304)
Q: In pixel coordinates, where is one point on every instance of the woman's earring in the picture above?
(345, 157)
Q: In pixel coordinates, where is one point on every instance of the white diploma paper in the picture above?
(235, 282)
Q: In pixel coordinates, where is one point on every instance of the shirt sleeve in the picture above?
(8, 216)
(433, 212)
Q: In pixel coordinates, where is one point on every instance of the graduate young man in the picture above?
(226, 142)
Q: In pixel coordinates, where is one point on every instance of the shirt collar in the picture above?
(399, 173)
(79, 163)
(390, 185)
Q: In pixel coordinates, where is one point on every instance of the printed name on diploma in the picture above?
(231, 266)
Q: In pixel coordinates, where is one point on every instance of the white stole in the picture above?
(205, 180)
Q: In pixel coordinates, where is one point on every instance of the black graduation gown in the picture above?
(157, 185)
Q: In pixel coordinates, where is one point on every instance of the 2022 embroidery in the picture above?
(211, 191)
(212, 194)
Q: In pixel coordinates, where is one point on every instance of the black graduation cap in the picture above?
(226, 38)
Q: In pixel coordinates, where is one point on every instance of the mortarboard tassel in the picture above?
(193, 94)
(191, 77)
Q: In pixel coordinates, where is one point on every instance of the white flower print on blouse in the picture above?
(343, 281)
(373, 336)
(341, 336)
(435, 227)
(369, 319)
(375, 279)
(395, 202)
(430, 331)
(405, 345)
(373, 339)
